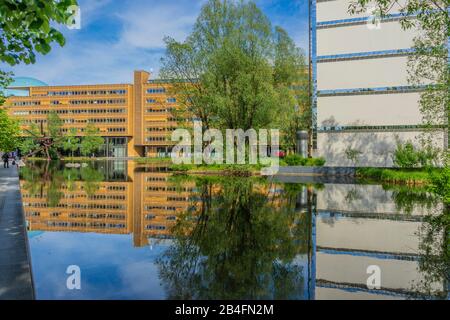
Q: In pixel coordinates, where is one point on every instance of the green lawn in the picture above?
(398, 176)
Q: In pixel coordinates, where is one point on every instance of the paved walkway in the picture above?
(15, 269)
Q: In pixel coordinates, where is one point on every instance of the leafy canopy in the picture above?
(26, 28)
(236, 71)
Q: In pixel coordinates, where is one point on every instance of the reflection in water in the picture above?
(227, 237)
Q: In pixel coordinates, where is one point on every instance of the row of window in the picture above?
(116, 130)
(159, 110)
(365, 91)
(77, 111)
(365, 55)
(156, 90)
(86, 92)
(78, 196)
(166, 208)
(356, 21)
(156, 179)
(97, 216)
(155, 227)
(95, 225)
(159, 129)
(155, 139)
(168, 100)
(26, 103)
(178, 199)
(153, 217)
(375, 128)
(78, 206)
(101, 101)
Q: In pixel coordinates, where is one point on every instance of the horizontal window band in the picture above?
(388, 128)
(365, 55)
(360, 20)
(367, 91)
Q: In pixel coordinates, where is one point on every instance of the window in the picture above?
(156, 90)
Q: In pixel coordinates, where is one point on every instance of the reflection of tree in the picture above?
(43, 178)
(434, 262)
(240, 243)
(91, 179)
(47, 179)
(434, 249)
(407, 199)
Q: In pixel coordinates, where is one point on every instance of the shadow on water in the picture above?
(213, 237)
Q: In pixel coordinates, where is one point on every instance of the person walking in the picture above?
(5, 158)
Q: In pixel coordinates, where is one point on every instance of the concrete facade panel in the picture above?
(370, 110)
(358, 38)
(370, 73)
(338, 10)
(377, 148)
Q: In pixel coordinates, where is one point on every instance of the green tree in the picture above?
(91, 141)
(240, 243)
(9, 132)
(234, 70)
(47, 139)
(71, 142)
(26, 27)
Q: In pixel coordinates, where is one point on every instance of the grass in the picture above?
(397, 176)
(151, 160)
(227, 169)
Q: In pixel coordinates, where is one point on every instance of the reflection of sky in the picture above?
(110, 267)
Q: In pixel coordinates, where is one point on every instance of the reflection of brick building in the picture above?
(158, 202)
(135, 119)
(106, 211)
(146, 205)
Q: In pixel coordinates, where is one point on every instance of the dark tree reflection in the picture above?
(241, 240)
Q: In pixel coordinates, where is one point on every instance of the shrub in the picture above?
(296, 160)
(405, 156)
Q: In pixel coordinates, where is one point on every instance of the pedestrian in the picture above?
(5, 158)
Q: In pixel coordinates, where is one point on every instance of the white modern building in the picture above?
(362, 98)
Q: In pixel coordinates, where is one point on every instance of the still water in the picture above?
(140, 232)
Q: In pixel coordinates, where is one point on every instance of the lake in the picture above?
(141, 232)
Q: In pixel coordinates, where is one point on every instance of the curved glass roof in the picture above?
(26, 82)
(19, 86)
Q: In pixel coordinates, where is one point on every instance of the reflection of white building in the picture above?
(351, 236)
(363, 99)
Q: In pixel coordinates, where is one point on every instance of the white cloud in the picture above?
(131, 38)
(146, 23)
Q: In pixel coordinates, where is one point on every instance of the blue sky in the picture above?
(119, 36)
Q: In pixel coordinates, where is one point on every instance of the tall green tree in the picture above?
(9, 132)
(92, 141)
(234, 70)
